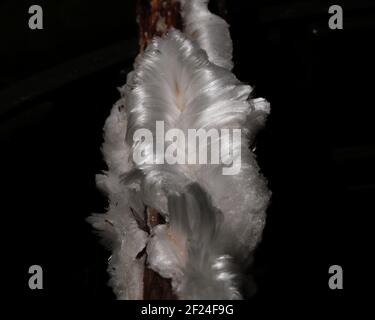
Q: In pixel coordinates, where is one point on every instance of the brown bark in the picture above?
(155, 18)
(155, 287)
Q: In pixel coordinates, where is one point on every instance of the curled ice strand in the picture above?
(213, 220)
(172, 73)
(191, 249)
(209, 30)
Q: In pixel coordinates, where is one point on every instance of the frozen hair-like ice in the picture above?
(209, 30)
(214, 221)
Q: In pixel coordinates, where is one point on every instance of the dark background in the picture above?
(57, 86)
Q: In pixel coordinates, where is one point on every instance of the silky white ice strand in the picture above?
(214, 221)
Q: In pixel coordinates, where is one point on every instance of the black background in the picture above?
(57, 86)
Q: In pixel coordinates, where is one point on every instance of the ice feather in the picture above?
(214, 221)
(209, 30)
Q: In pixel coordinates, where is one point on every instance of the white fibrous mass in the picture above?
(213, 220)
